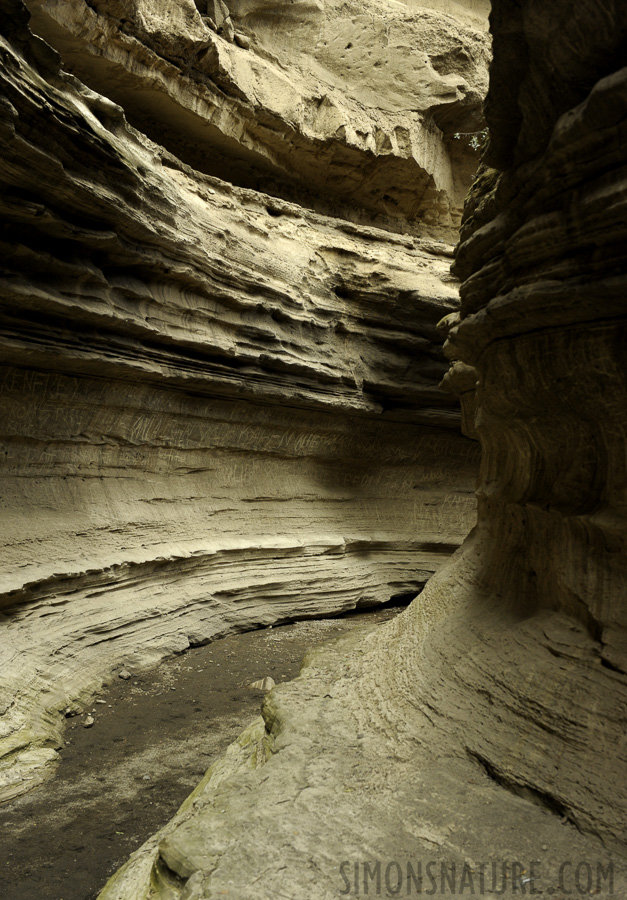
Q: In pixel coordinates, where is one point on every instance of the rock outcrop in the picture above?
(220, 408)
(487, 723)
(349, 108)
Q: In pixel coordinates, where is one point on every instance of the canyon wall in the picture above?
(486, 724)
(347, 108)
(220, 407)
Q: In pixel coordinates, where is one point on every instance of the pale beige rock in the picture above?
(349, 108)
(264, 684)
(223, 410)
(487, 722)
(220, 410)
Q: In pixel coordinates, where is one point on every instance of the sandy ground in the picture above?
(154, 737)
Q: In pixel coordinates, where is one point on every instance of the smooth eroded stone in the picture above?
(219, 409)
(486, 724)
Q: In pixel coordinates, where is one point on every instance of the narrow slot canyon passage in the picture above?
(311, 310)
(220, 409)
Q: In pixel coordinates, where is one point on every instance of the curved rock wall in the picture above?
(482, 732)
(543, 320)
(219, 409)
(543, 316)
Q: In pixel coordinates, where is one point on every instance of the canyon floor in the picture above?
(153, 737)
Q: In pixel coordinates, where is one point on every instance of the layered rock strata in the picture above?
(487, 723)
(220, 410)
(350, 108)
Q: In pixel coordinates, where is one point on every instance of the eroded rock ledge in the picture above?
(219, 409)
(488, 721)
(349, 108)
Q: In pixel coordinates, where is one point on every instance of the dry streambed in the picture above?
(154, 735)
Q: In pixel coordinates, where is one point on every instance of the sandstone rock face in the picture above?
(347, 107)
(220, 409)
(487, 723)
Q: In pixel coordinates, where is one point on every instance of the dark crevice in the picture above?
(610, 665)
(402, 599)
(167, 875)
(396, 601)
(533, 795)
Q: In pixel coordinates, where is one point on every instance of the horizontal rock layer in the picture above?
(348, 108)
(487, 722)
(219, 410)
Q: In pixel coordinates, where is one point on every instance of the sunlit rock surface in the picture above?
(220, 409)
(350, 108)
(486, 723)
